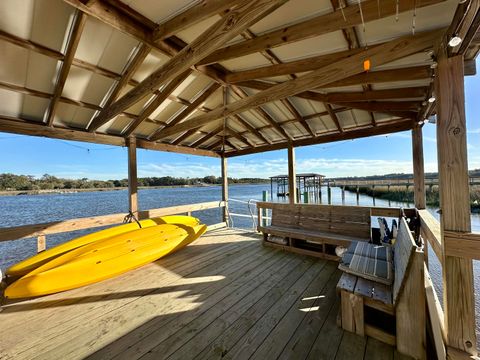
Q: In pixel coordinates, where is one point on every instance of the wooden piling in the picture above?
(292, 177)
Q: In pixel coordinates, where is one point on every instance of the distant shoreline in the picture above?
(73, 191)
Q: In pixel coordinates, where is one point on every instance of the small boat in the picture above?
(24, 267)
(104, 259)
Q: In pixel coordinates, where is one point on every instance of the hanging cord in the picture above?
(378, 7)
(341, 5)
(131, 216)
(363, 24)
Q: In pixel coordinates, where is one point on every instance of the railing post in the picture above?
(264, 211)
(41, 243)
(224, 189)
(292, 177)
(132, 175)
(458, 289)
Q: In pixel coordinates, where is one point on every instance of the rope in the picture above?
(131, 216)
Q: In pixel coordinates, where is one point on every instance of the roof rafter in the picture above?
(194, 105)
(250, 128)
(207, 137)
(314, 27)
(385, 53)
(380, 129)
(223, 30)
(193, 15)
(70, 49)
(155, 103)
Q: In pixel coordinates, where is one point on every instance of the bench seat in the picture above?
(310, 235)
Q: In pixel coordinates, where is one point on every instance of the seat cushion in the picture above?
(368, 261)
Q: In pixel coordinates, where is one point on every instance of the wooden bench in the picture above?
(404, 300)
(311, 228)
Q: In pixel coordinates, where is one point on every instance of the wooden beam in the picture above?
(71, 48)
(288, 104)
(382, 76)
(130, 70)
(215, 36)
(184, 136)
(20, 126)
(384, 106)
(207, 137)
(239, 137)
(262, 113)
(224, 165)
(250, 128)
(385, 53)
(376, 95)
(314, 27)
(292, 175)
(380, 129)
(462, 244)
(334, 117)
(132, 176)
(193, 15)
(199, 100)
(458, 289)
(465, 25)
(151, 107)
(418, 168)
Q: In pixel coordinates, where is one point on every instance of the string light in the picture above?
(455, 41)
(414, 17)
(397, 10)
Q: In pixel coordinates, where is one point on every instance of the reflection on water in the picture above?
(29, 209)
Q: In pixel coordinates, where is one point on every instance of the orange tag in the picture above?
(366, 65)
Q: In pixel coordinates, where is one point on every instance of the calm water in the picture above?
(30, 209)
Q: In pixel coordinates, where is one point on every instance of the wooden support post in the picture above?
(132, 176)
(343, 195)
(358, 195)
(41, 243)
(292, 177)
(225, 189)
(305, 197)
(264, 211)
(458, 289)
(329, 194)
(418, 169)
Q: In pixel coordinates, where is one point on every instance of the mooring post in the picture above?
(343, 195)
(358, 195)
(305, 197)
(329, 194)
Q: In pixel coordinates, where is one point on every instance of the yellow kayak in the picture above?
(27, 265)
(104, 259)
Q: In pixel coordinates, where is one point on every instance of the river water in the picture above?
(31, 209)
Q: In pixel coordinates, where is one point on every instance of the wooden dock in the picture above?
(225, 296)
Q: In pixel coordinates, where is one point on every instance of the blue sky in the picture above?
(368, 156)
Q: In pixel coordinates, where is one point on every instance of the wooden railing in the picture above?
(473, 180)
(41, 230)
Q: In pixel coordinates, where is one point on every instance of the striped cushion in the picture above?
(369, 261)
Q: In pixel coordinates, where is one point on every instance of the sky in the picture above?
(378, 155)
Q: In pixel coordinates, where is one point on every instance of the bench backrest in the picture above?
(402, 257)
(342, 220)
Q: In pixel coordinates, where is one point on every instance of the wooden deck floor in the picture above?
(225, 296)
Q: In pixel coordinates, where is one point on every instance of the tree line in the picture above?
(50, 182)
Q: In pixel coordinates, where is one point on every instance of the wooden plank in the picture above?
(104, 333)
(132, 176)
(418, 168)
(436, 316)
(347, 282)
(313, 27)
(352, 347)
(193, 15)
(292, 177)
(352, 313)
(454, 200)
(387, 212)
(377, 349)
(228, 338)
(292, 338)
(328, 339)
(430, 230)
(236, 306)
(260, 331)
(364, 288)
(19, 126)
(410, 311)
(26, 231)
(222, 31)
(462, 244)
(380, 335)
(71, 47)
(216, 226)
(382, 54)
(402, 258)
